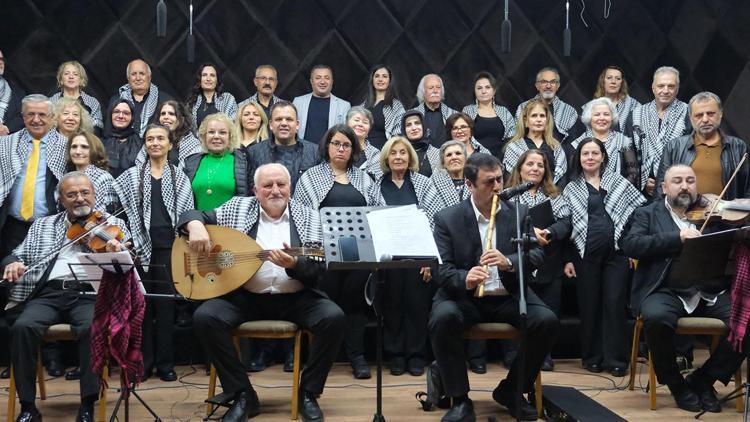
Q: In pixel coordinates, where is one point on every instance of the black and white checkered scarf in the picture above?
(254, 99)
(5, 93)
(188, 145)
(474, 144)
(241, 213)
(445, 111)
(514, 150)
(392, 114)
(565, 115)
(225, 103)
(624, 109)
(103, 187)
(428, 199)
(148, 109)
(446, 189)
(91, 103)
(616, 144)
(621, 199)
(560, 207)
(133, 188)
(650, 133)
(314, 184)
(371, 165)
(46, 235)
(15, 151)
(509, 122)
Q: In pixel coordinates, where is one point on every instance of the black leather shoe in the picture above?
(478, 366)
(706, 393)
(55, 368)
(73, 374)
(685, 398)
(289, 362)
(29, 416)
(5, 374)
(360, 368)
(505, 395)
(462, 411)
(246, 406)
(309, 410)
(618, 371)
(593, 367)
(416, 367)
(85, 414)
(548, 364)
(260, 362)
(167, 376)
(398, 365)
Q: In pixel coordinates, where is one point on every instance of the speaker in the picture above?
(566, 404)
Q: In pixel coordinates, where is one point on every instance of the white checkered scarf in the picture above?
(656, 136)
(509, 122)
(428, 199)
(446, 189)
(474, 144)
(615, 145)
(5, 93)
(225, 103)
(133, 187)
(624, 108)
(564, 115)
(241, 213)
(444, 110)
(560, 208)
(103, 186)
(148, 109)
(371, 165)
(621, 200)
(91, 102)
(514, 150)
(254, 99)
(392, 114)
(15, 152)
(46, 235)
(314, 184)
(188, 145)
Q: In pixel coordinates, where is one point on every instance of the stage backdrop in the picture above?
(708, 41)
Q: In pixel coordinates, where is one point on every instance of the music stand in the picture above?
(348, 245)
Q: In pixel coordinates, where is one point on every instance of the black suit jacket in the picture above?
(457, 238)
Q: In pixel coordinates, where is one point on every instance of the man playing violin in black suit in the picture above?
(44, 293)
(283, 288)
(654, 235)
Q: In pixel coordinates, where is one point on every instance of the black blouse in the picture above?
(160, 230)
(377, 136)
(490, 132)
(601, 231)
(343, 195)
(394, 195)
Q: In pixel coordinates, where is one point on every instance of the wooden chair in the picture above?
(503, 331)
(57, 332)
(261, 329)
(688, 325)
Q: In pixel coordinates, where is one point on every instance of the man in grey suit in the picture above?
(319, 110)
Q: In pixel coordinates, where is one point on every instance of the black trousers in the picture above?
(347, 289)
(602, 289)
(407, 302)
(660, 312)
(51, 306)
(214, 320)
(159, 316)
(450, 318)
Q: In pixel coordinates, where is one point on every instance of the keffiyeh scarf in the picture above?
(95, 109)
(314, 184)
(427, 196)
(188, 145)
(152, 101)
(447, 190)
(514, 150)
(564, 115)
(5, 93)
(241, 213)
(650, 133)
(225, 103)
(615, 145)
(559, 206)
(509, 122)
(103, 187)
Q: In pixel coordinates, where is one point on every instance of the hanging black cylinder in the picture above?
(161, 19)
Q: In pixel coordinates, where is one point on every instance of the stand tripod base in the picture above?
(125, 392)
(378, 418)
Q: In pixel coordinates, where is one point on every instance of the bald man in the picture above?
(144, 94)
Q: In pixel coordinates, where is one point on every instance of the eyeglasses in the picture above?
(460, 128)
(341, 145)
(545, 82)
(491, 182)
(266, 78)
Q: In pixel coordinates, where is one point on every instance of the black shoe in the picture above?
(505, 395)
(29, 416)
(167, 376)
(246, 406)
(360, 368)
(85, 414)
(706, 393)
(398, 365)
(55, 368)
(416, 367)
(462, 411)
(73, 374)
(289, 362)
(308, 407)
(5, 374)
(146, 375)
(684, 396)
(593, 367)
(548, 364)
(478, 366)
(260, 362)
(618, 371)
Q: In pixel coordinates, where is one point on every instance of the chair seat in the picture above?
(59, 332)
(491, 330)
(700, 325)
(274, 327)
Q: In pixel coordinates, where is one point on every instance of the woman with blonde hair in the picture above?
(72, 117)
(71, 79)
(251, 124)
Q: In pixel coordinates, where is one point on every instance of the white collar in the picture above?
(267, 219)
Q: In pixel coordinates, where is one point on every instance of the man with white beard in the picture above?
(431, 94)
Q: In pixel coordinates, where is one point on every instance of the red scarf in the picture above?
(739, 313)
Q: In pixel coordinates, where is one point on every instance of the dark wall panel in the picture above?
(709, 41)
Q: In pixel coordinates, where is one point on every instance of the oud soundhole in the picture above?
(224, 260)
(211, 278)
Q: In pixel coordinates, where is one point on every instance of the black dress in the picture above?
(490, 132)
(377, 136)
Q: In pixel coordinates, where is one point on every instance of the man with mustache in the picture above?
(144, 94)
(654, 235)
(320, 110)
(712, 154)
(431, 94)
(283, 288)
(266, 80)
(42, 282)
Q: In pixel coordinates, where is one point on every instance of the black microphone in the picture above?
(505, 31)
(567, 36)
(161, 19)
(516, 190)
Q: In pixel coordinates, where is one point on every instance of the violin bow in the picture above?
(729, 182)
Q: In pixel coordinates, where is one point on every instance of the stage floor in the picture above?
(347, 399)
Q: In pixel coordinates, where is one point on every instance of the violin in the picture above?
(94, 231)
(710, 208)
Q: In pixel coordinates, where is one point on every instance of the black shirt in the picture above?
(204, 110)
(121, 153)
(394, 195)
(138, 112)
(161, 230)
(296, 158)
(490, 132)
(343, 195)
(546, 150)
(425, 169)
(433, 121)
(601, 231)
(317, 118)
(377, 136)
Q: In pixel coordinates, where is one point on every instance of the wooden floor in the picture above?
(347, 399)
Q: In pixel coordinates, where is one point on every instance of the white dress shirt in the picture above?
(493, 286)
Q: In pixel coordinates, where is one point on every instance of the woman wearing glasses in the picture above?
(460, 127)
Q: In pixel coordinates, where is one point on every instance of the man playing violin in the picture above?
(654, 235)
(461, 235)
(283, 288)
(44, 292)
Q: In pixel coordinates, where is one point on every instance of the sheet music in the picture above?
(94, 272)
(402, 231)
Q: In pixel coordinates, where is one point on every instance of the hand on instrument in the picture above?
(541, 236)
(688, 234)
(650, 185)
(426, 274)
(632, 263)
(14, 271)
(4, 130)
(114, 245)
(475, 276)
(198, 239)
(570, 270)
(281, 258)
(494, 257)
